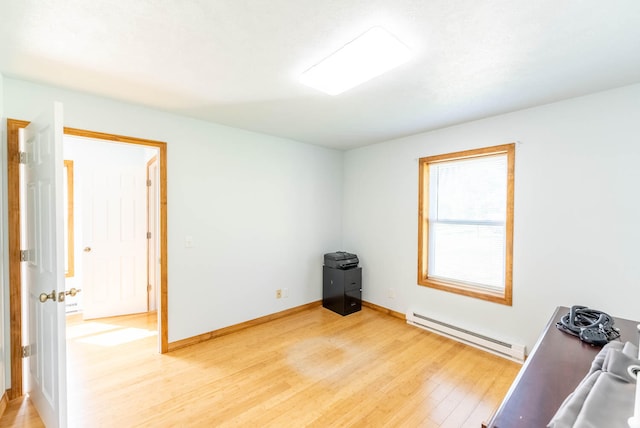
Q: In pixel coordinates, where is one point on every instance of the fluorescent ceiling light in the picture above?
(373, 53)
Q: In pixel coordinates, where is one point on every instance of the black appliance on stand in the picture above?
(341, 283)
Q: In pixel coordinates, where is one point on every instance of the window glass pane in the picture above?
(468, 253)
(469, 189)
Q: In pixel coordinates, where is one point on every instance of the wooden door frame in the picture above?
(15, 278)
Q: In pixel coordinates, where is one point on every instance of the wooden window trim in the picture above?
(505, 297)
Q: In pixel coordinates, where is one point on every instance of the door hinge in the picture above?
(26, 351)
(148, 288)
(148, 235)
(148, 183)
(22, 158)
(24, 255)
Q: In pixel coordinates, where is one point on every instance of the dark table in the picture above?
(555, 366)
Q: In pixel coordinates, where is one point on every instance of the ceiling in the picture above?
(237, 62)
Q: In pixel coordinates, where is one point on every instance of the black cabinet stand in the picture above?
(342, 289)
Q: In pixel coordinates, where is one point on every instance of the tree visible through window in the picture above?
(466, 222)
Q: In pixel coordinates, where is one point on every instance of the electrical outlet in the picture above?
(278, 294)
(392, 293)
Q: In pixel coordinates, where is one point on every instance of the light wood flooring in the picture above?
(314, 368)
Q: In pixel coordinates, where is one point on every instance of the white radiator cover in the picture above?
(510, 351)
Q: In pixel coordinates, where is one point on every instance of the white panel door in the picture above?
(44, 270)
(115, 236)
(153, 261)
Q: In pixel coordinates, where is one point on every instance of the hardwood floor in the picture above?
(313, 368)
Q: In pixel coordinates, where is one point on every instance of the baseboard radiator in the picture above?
(498, 347)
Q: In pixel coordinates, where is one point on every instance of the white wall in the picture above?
(577, 211)
(262, 210)
(4, 260)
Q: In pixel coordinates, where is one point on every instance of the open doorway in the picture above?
(15, 287)
(111, 208)
(112, 211)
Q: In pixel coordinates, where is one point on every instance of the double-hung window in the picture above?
(466, 222)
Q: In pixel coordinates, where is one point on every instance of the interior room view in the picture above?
(293, 213)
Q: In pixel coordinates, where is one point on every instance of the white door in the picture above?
(153, 262)
(44, 270)
(115, 237)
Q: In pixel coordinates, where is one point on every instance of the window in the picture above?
(466, 222)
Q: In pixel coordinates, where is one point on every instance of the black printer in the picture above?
(341, 260)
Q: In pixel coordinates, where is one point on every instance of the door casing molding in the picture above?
(13, 217)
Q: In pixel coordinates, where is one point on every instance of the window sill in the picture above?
(458, 288)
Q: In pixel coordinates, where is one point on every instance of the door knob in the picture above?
(73, 291)
(87, 249)
(44, 296)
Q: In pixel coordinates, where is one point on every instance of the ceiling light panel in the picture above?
(371, 54)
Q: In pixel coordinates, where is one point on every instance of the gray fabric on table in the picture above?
(606, 396)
